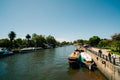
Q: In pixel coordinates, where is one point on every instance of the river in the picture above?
(48, 64)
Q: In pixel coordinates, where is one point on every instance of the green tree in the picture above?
(85, 42)
(51, 40)
(4, 43)
(116, 37)
(28, 40)
(93, 41)
(115, 45)
(65, 43)
(104, 43)
(18, 43)
(39, 40)
(80, 41)
(34, 38)
(11, 35)
(58, 43)
(24, 42)
(75, 42)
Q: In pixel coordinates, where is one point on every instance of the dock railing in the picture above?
(113, 60)
(109, 66)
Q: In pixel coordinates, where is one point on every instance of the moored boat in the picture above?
(74, 60)
(87, 60)
(26, 50)
(5, 52)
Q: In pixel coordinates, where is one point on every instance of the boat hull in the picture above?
(26, 50)
(4, 52)
(74, 59)
(74, 63)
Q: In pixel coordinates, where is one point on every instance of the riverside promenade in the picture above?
(105, 55)
(111, 69)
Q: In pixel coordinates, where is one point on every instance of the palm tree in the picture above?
(28, 40)
(11, 35)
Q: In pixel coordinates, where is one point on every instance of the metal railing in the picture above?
(114, 61)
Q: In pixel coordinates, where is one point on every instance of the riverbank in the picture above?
(109, 69)
(105, 55)
(23, 50)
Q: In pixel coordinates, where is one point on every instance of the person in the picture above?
(113, 56)
(109, 56)
(74, 53)
(99, 53)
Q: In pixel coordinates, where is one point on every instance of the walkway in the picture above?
(105, 55)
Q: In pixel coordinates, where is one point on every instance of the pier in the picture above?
(111, 69)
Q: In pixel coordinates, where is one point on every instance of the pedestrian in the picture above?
(114, 57)
(109, 56)
(99, 53)
(74, 53)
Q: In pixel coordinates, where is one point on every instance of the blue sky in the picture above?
(64, 19)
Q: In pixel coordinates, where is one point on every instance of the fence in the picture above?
(113, 60)
(108, 66)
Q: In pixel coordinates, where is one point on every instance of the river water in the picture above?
(48, 64)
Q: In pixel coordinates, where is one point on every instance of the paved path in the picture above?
(105, 52)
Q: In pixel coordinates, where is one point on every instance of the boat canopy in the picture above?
(86, 56)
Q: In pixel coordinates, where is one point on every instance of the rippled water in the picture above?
(49, 64)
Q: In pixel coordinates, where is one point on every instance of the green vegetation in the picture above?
(4, 43)
(94, 41)
(30, 41)
(11, 35)
(113, 44)
(104, 43)
(81, 41)
(36, 40)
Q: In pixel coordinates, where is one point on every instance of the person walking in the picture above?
(113, 57)
(100, 53)
(109, 56)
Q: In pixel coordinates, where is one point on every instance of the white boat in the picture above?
(87, 60)
(5, 52)
(25, 50)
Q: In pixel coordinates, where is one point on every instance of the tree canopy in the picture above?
(94, 40)
(42, 40)
(116, 37)
(11, 35)
(115, 44)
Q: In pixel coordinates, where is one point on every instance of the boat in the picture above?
(74, 59)
(87, 60)
(26, 50)
(37, 48)
(5, 52)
